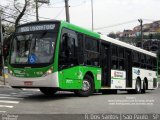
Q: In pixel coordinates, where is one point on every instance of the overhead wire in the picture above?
(59, 13)
(26, 13)
(99, 28)
(52, 5)
(148, 19)
(11, 15)
(46, 7)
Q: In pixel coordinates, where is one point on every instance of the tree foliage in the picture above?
(16, 13)
(21, 12)
(112, 35)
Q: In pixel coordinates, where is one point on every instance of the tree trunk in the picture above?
(21, 14)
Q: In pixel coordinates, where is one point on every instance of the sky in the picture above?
(114, 15)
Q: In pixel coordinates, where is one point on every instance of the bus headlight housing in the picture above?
(10, 72)
(49, 71)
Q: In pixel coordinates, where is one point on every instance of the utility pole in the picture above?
(37, 18)
(67, 10)
(141, 25)
(1, 37)
(92, 15)
(40, 1)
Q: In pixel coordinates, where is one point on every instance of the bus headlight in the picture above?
(49, 71)
(10, 72)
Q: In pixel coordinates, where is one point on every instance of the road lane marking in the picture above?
(11, 98)
(30, 89)
(2, 111)
(7, 101)
(18, 95)
(7, 106)
(5, 95)
(13, 93)
(28, 94)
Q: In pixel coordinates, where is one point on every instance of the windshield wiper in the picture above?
(43, 34)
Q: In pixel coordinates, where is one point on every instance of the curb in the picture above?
(5, 86)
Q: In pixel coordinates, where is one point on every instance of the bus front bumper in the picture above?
(46, 81)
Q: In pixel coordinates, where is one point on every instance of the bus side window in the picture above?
(154, 64)
(114, 57)
(68, 55)
(91, 51)
(121, 58)
(80, 48)
(150, 63)
(63, 44)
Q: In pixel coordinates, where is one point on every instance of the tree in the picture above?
(16, 13)
(21, 12)
(13, 15)
(112, 35)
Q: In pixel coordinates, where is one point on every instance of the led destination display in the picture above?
(32, 28)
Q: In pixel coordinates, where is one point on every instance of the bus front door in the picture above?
(105, 65)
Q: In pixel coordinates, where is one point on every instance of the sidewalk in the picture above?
(2, 83)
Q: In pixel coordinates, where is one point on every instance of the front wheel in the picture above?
(87, 87)
(48, 91)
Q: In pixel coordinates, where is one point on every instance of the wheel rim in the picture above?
(138, 87)
(86, 85)
(144, 86)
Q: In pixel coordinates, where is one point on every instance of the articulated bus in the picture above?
(56, 55)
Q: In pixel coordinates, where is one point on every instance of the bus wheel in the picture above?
(48, 91)
(87, 87)
(144, 87)
(138, 87)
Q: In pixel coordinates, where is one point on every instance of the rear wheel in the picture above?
(138, 87)
(144, 87)
(48, 91)
(87, 87)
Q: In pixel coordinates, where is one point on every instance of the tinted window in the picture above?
(135, 56)
(121, 52)
(91, 44)
(114, 50)
(118, 57)
(91, 51)
(68, 55)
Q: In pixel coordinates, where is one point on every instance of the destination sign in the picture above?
(32, 28)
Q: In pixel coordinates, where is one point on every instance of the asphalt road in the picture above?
(29, 103)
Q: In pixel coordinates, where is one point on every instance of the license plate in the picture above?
(28, 83)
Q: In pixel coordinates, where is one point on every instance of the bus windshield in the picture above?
(33, 48)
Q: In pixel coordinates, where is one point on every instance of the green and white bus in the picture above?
(56, 55)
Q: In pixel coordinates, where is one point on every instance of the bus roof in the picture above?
(80, 29)
(105, 38)
(123, 44)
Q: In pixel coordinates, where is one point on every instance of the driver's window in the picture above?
(63, 43)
